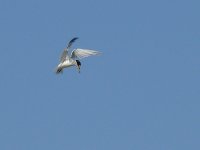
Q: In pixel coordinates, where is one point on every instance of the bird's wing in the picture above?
(64, 54)
(71, 42)
(82, 53)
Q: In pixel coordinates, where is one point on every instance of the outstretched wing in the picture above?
(82, 53)
(64, 54)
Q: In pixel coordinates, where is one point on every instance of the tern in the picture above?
(67, 60)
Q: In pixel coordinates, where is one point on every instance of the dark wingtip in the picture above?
(72, 41)
(76, 37)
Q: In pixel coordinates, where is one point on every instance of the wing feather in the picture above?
(64, 55)
(71, 42)
(82, 53)
(65, 52)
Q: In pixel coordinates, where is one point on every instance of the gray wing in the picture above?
(65, 52)
(82, 53)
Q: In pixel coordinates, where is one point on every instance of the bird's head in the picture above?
(78, 64)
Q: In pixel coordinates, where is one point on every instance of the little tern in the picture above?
(67, 60)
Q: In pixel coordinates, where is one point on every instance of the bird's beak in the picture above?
(78, 67)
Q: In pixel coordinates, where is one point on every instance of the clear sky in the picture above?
(142, 93)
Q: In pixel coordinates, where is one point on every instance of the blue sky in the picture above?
(141, 93)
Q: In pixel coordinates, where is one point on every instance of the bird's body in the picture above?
(72, 60)
(67, 63)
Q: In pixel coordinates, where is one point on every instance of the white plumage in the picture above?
(82, 53)
(73, 59)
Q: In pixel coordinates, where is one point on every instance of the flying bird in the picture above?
(67, 60)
